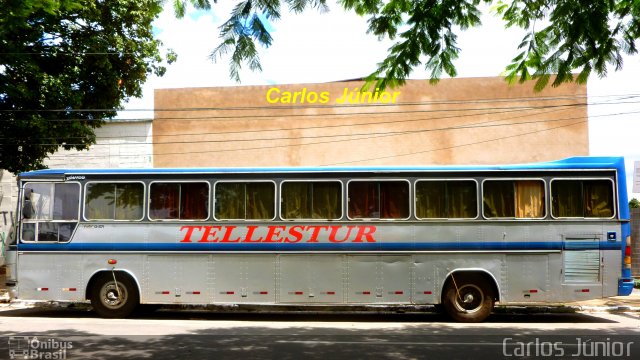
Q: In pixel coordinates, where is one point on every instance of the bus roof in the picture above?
(580, 162)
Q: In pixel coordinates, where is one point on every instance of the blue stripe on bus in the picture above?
(442, 246)
(578, 162)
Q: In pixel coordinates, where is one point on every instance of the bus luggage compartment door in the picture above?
(177, 279)
(311, 279)
(379, 279)
(248, 279)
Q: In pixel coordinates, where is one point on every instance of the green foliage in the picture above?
(429, 38)
(634, 204)
(563, 36)
(65, 65)
(246, 26)
(572, 37)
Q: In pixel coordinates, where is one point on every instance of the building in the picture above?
(120, 144)
(459, 121)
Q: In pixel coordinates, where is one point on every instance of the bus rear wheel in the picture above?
(114, 299)
(468, 299)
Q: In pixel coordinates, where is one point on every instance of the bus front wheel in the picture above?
(114, 299)
(468, 298)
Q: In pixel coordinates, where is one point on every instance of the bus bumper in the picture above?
(625, 286)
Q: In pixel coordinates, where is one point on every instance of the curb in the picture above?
(511, 309)
(560, 309)
(613, 309)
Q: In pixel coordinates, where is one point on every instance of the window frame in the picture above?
(614, 194)
(84, 200)
(415, 198)
(275, 198)
(341, 199)
(36, 221)
(179, 182)
(544, 203)
(409, 194)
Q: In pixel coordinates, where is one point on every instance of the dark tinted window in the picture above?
(245, 200)
(179, 201)
(582, 198)
(446, 199)
(378, 199)
(311, 200)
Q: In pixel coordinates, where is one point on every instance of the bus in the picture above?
(462, 238)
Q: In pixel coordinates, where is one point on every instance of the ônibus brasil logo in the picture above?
(32, 347)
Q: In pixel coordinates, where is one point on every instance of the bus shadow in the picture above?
(171, 313)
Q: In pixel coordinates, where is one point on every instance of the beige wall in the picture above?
(120, 143)
(458, 121)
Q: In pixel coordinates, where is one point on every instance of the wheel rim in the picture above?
(470, 299)
(112, 297)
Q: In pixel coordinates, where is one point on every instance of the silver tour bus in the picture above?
(461, 237)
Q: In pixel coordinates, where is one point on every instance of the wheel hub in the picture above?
(470, 298)
(113, 297)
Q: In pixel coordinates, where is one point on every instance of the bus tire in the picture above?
(109, 301)
(470, 301)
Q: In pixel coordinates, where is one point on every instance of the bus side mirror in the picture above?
(27, 209)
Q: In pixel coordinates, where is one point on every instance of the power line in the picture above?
(227, 140)
(391, 133)
(329, 141)
(328, 116)
(455, 146)
(457, 116)
(509, 109)
(324, 106)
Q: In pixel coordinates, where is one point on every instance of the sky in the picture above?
(313, 48)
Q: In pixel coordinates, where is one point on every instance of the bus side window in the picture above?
(311, 200)
(29, 232)
(245, 200)
(582, 198)
(179, 201)
(114, 201)
(513, 199)
(446, 199)
(378, 199)
(50, 211)
(599, 199)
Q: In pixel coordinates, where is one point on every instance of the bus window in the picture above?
(114, 201)
(378, 199)
(244, 201)
(582, 198)
(179, 201)
(50, 211)
(311, 200)
(446, 199)
(519, 199)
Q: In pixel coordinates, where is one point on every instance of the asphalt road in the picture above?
(75, 333)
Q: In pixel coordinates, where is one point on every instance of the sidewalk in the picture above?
(619, 303)
(612, 304)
